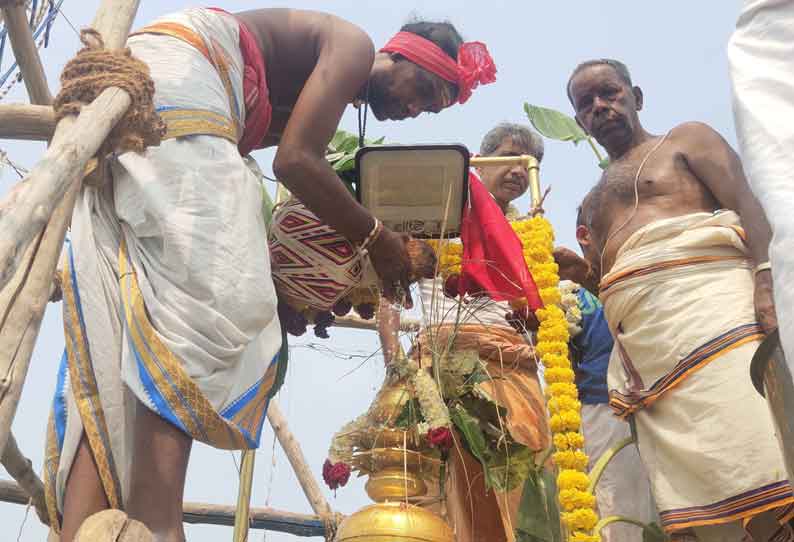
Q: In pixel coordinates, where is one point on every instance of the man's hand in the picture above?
(572, 266)
(764, 302)
(390, 260)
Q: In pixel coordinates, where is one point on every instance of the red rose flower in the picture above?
(441, 438)
(335, 474)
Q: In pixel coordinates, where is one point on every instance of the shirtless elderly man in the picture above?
(682, 249)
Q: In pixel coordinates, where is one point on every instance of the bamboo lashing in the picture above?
(34, 226)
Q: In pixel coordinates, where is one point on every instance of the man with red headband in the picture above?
(170, 311)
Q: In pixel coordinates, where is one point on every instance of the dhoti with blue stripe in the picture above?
(168, 298)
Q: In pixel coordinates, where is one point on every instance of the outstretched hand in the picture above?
(390, 259)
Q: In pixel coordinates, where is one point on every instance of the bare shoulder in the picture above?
(315, 29)
(696, 135)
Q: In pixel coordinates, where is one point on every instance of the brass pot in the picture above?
(394, 484)
(394, 522)
(389, 403)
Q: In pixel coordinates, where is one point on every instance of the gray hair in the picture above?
(619, 67)
(522, 135)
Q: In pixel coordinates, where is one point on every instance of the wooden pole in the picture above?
(21, 470)
(26, 53)
(29, 122)
(243, 511)
(296, 458)
(214, 514)
(34, 226)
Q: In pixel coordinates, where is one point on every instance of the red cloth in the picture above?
(258, 110)
(493, 258)
(474, 64)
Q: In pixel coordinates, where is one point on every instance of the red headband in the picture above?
(474, 65)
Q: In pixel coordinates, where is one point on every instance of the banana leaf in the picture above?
(553, 124)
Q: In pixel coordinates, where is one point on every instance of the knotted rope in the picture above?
(331, 522)
(95, 69)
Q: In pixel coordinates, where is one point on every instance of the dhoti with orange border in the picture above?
(679, 302)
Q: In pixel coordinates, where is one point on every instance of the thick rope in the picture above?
(95, 69)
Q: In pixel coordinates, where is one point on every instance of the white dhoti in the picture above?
(168, 297)
(623, 489)
(679, 302)
(761, 54)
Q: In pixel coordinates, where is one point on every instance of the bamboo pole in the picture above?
(306, 525)
(34, 227)
(243, 511)
(26, 53)
(29, 122)
(21, 470)
(296, 458)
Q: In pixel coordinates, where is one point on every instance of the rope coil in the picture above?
(95, 69)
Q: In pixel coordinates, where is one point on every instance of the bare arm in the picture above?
(343, 67)
(717, 166)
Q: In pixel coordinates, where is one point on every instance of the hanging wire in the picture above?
(47, 20)
(51, 18)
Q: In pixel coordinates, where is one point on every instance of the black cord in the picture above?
(362, 118)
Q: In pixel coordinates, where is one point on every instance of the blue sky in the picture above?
(676, 53)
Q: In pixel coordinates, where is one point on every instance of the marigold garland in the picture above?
(556, 328)
(578, 503)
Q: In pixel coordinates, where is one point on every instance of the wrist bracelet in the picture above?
(766, 266)
(373, 235)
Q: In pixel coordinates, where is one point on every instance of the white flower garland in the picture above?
(570, 304)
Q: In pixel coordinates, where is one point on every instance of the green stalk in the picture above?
(604, 522)
(603, 461)
(595, 149)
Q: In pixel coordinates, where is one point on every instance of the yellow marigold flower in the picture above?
(571, 459)
(556, 360)
(571, 499)
(558, 348)
(550, 312)
(580, 520)
(559, 404)
(568, 441)
(558, 374)
(572, 479)
(550, 296)
(562, 389)
(553, 331)
(579, 536)
(565, 421)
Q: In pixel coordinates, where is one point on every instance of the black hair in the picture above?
(442, 34)
(619, 67)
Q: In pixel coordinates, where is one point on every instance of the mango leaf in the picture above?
(509, 468)
(538, 515)
(603, 164)
(653, 533)
(472, 434)
(553, 124)
(347, 163)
